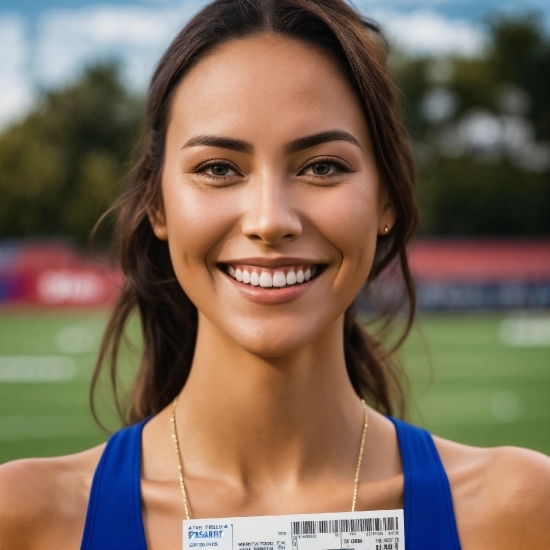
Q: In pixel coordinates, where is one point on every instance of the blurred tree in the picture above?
(480, 128)
(521, 57)
(63, 164)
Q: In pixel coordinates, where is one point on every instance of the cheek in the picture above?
(196, 221)
(350, 223)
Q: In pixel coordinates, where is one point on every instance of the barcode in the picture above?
(359, 525)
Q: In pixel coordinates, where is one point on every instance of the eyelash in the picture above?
(214, 162)
(340, 168)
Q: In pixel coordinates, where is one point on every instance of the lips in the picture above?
(278, 277)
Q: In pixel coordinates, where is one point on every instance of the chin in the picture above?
(279, 340)
(273, 349)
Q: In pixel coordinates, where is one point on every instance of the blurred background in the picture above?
(475, 82)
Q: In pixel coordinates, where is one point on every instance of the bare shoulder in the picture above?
(501, 496)
(43, 501)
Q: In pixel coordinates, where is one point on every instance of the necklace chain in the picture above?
(180, 464)
(178, 453)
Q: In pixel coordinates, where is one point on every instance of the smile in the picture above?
(272, 277)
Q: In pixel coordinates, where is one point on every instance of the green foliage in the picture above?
(480, 128)
(468, 197)
(63, 165)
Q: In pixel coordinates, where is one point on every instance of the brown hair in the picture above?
(168, 318)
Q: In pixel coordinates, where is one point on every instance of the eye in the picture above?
(217, 169)
(321, 168)
(324, 168)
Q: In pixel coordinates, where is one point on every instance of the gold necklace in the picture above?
(180, 465)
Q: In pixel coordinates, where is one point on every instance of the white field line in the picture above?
(525, 331)
(36, 368)
(76, 339)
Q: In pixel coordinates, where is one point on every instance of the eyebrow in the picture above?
(294, 146)
(222, 142)
(316, 139)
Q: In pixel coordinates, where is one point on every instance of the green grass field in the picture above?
(467, 385)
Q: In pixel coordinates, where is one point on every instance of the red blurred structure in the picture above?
(482, 261)
(54, 274)
(481, 274)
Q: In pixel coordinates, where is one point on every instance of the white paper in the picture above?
(374, 530)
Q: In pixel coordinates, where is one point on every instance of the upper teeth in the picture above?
(266, 278)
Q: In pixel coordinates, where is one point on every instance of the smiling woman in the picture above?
(276, 183)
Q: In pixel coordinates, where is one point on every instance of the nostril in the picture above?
(271, 239)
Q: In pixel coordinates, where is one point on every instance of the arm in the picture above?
(501, 496)
(22, 504)
(43, 501)
(519, 507)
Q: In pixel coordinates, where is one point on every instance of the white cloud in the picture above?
(403, 3)
(69, 39)
(16, 93)
(66, 40)
(427, 32)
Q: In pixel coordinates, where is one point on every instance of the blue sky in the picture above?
(464, 9)
(45, 43)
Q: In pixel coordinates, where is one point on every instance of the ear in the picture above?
(157, 219)
(386, 218)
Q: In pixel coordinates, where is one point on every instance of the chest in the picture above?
(163, 509)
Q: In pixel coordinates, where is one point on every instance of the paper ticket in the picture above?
(373, 530)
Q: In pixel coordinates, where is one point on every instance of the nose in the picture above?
(269, 213)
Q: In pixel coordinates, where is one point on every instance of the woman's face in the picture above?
(272, 199)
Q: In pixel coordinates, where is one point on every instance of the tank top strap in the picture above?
(114, 519)
(428, 507)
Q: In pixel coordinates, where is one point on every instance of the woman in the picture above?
(276, 180)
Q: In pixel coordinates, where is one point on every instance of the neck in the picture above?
(268, 418)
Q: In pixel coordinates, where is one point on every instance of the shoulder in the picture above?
(501, 495)
(43, 501)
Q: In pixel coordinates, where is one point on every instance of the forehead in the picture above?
(264, 83)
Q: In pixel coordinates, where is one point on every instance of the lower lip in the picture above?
(271, 295)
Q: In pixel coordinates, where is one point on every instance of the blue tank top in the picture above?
(114, 518)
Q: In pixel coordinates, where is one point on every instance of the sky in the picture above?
(47, 43)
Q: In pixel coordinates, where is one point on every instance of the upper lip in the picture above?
(280, 261)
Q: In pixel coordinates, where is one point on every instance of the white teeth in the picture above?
(266, 280)
(279, 279)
